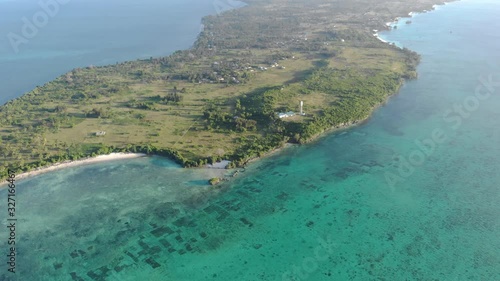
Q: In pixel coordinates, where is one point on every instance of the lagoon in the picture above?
(83, 33)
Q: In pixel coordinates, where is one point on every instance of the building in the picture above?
(282, 115)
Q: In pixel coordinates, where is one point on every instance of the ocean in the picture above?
(411, 194)
(41, 42)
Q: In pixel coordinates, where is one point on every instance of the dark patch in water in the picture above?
(282, 196)
(166, 211)
(153, 263)
(58, 266)
(161, 231)
(165, 243)
(99, 274)
(198, 182)
(254, 190)
(222, 215)
(179, 238)
(143, 245)
(134, 258)
(75, 277)
(244, 194)
(74, 254)
(246, 222)
(185, 222)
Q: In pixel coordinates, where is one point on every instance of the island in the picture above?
(258, 77)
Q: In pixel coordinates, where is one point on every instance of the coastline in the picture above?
(350, 125)
(390, 25)
(315, 138)
(76, 163)
(325, 132)
(335, 192)
(353, 124)
(269, 153)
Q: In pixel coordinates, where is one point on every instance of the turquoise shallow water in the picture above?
(363, 204)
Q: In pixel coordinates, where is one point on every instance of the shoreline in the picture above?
(351, 125)
(76, 163)
(325, 132)
(315, 138)
(269, 153)
(390, 25)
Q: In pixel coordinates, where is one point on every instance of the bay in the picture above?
(82, 33)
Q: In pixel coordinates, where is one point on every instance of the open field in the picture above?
(219, 99)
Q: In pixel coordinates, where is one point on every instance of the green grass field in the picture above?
(130, 101)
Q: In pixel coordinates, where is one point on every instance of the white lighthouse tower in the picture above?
(302, 108)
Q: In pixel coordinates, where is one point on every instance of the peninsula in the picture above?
(258, 77)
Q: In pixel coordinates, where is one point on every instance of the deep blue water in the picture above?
(412, 194)
(90, 32)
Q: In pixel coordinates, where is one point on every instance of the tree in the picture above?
(99, 113)
(174, 97)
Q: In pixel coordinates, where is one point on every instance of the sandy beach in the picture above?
(67, 164)
(218, 165)
(379, 38)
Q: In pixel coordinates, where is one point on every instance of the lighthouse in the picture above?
(302, 108)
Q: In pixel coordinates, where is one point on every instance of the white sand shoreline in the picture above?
(69, 163)
(390, 25)
(380, 39)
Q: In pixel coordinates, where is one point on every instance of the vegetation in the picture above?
(214, 181)
(219, 99)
